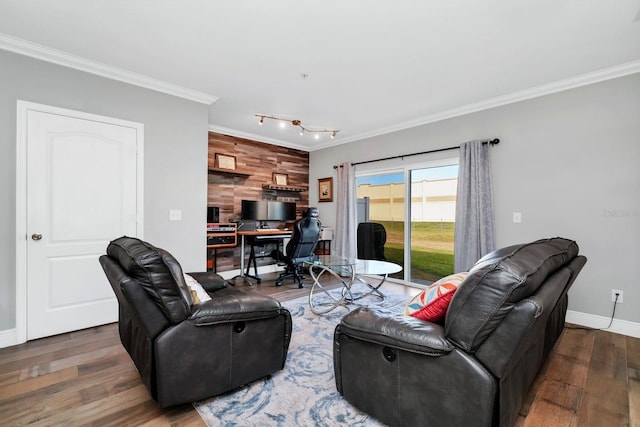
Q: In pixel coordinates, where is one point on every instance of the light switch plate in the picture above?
(517, 217)
(175, 215)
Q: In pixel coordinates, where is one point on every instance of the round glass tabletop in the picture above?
(369, 266)
(332, 261)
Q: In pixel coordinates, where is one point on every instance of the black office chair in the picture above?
(301, 247)
(371, 239)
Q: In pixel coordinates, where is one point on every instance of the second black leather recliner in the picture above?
(476, 368)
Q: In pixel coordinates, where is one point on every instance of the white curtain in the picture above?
(345, 236)
(474, 229)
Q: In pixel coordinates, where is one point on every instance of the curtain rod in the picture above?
(488, 141)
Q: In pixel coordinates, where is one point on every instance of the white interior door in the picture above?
(81, 192)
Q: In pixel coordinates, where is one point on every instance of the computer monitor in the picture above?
(254, 210)
(281, 211)
(259, 210)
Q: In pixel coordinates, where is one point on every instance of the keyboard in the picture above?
(273, 236)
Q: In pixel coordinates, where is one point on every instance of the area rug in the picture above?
(304, 392)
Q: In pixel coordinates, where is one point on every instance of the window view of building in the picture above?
(431, 214)
(381, 200)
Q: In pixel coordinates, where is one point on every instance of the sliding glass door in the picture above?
(381, 199)
(433, 212)
(425, 248)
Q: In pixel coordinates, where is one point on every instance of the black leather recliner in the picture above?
(186, 351)
(476, 369)
(306, 232)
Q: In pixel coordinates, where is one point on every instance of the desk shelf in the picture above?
(228, 172)
(220, 235)
(282, 193)
(283, 188)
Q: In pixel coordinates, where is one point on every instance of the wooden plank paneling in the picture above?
(260, 161)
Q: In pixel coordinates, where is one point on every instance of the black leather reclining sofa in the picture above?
(186, 351)
(474, 370)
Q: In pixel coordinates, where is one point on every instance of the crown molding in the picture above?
(523, 95)
(58, 57)
(255, 137)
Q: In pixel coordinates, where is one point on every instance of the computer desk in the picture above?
(258, 235)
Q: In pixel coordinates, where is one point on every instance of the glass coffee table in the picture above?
(324, 297)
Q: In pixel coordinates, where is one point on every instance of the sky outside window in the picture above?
(428, 174)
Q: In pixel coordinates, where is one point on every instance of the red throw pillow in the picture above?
(432, 303)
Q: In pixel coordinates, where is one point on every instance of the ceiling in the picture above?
(371, 66)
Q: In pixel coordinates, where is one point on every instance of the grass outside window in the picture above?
(432, 253)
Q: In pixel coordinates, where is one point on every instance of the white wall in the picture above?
(569, 162)
(175, 153)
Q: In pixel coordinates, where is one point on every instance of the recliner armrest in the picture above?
(209, 280)
(397, 330)
(235, 307)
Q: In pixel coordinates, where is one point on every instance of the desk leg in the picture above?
(242, 274)
(242, 256)
(252, 259)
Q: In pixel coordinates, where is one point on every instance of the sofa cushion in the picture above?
(158, 272)
(431, 304)
(498, 281)
(198, 294)
(210, 281)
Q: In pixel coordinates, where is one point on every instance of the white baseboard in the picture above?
(8, 338)
(618, 326)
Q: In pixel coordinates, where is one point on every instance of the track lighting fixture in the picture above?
(298, 123)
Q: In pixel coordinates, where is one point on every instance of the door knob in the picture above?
(36, 236)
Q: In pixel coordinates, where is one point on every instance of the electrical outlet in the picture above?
(175, 215)
(618, 292)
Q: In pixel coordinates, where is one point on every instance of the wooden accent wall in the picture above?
(259, 161)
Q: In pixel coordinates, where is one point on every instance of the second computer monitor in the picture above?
(261, 210)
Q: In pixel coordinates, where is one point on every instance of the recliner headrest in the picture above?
(497, 282)
(157, 271)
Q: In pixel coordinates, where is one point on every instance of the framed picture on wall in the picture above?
(325, 189)
(225, 161)
(280, 178)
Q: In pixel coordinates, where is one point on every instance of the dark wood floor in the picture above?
(86, 378)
